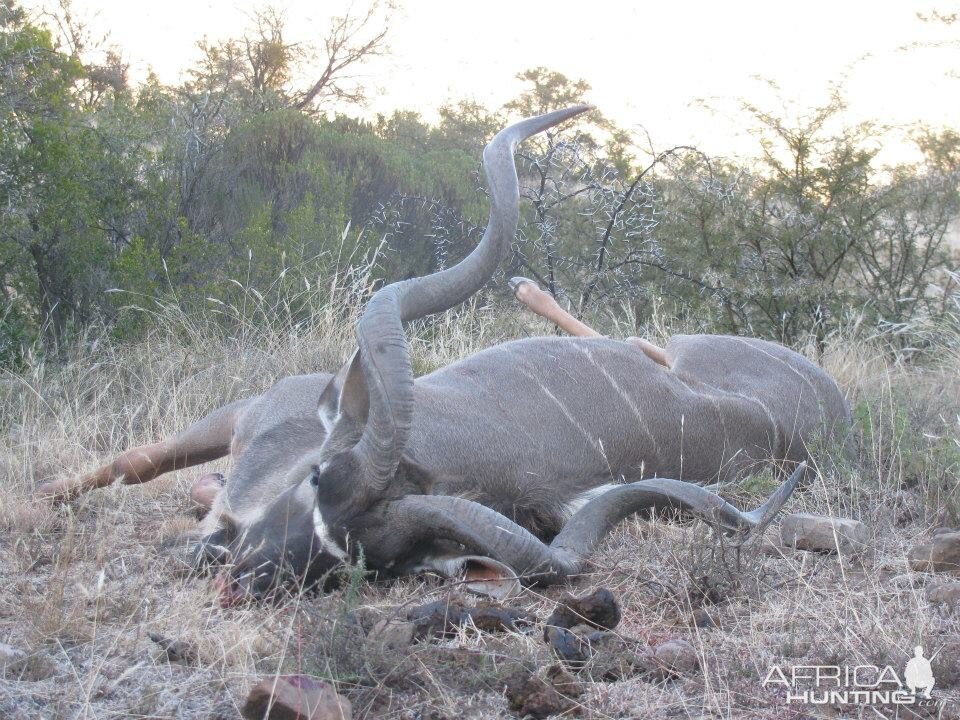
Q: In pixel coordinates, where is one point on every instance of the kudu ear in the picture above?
(345, 396)
(486, 576)
(479, 574)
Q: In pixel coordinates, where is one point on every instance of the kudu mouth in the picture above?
(255, 578)
(274, 584)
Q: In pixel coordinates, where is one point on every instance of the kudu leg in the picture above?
(654, 352)
(207, 439)
(543, 304)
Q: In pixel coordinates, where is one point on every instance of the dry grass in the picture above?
(81, 587)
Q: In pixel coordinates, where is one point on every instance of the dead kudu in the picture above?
(517, 460)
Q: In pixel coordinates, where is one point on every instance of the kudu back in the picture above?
(516, 460)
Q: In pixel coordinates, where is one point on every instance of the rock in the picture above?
(614, 658)
(941, 554)
(907, 506)
(943, 595)
(606, 654)
(599, 610)
(393, 633)
(572, 633)
(178, 651)
(703, 620)
(943, 531)
(539, 696)
(9, 655)
(295, 697)
(676, 657)
(22, 666)
(823, 534)
(446, 617)
(568, 646)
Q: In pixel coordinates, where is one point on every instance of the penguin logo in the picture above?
(918, 673)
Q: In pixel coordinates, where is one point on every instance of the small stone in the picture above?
(178, 651)
(941, 554)
(599, 610)
(945, 595)
(823, 534)
(295, 697)
(539, 696)
(393, 634)
(943, 531)
(568, 646)
(676, 657)
(8, 654)
(702, 620)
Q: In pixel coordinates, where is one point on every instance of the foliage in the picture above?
(784, 249)
(240, 177)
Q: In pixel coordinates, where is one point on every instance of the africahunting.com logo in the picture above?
(856, 684)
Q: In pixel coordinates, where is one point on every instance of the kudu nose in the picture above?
(210, 552)
(232, 592)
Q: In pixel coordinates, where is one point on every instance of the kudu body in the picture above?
(525, 453)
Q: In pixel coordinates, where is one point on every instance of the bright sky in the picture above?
(646, 61)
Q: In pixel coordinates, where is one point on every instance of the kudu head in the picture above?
(339, 493)
(265, 530)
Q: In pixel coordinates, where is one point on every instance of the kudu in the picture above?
(516, 460)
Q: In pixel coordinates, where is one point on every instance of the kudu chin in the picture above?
(512, 463)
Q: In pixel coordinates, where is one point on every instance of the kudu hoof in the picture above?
(56, 491)
(204, 491)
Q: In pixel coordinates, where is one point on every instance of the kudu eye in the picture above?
(315, 476)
